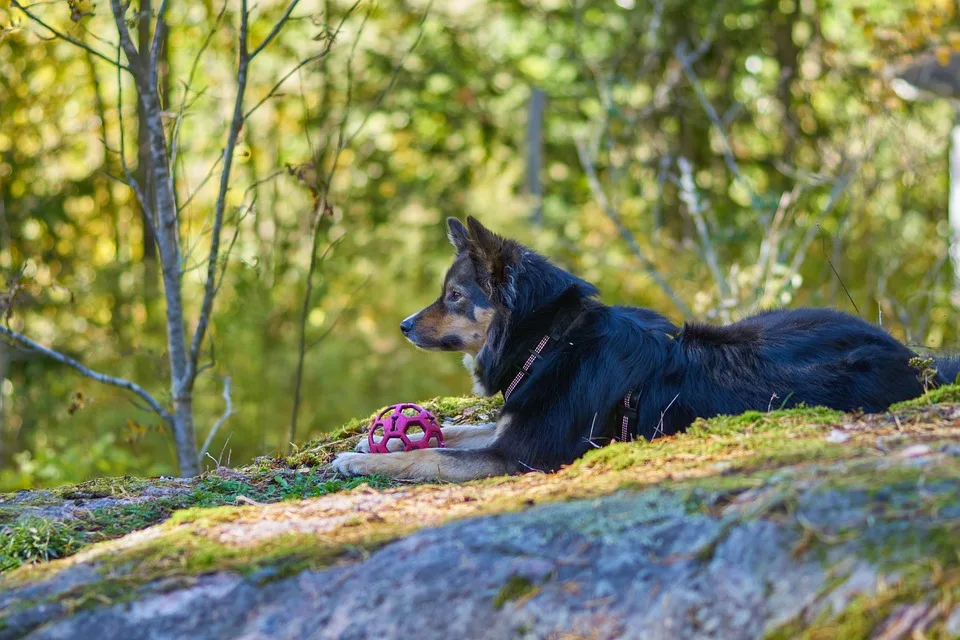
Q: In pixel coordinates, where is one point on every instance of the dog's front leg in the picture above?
(451, 465)
(454, 437)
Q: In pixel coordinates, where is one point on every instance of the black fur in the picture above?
(770, 360)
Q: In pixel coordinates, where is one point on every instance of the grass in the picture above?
(33, 540)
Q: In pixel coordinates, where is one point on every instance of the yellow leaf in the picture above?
(943, 55)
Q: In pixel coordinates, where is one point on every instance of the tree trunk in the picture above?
(144, 176)
(954, 205)
(168, 240)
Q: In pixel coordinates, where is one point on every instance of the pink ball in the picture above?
(418, 430)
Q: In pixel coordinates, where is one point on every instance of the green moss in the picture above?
(30, 540)
(517, 587)
(124, 486)
(455, 408)
(948, 393)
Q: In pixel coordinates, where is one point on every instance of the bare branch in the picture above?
(24, 341)
(131, 180)
(174, 139)
(286, 76)
(688, 193)
(157, 40)
(276, 29)
(236, 123)
(601, 197)
(133, 56)
(66, 38)
(393, 76)
(321, 207)
(686, 64)
(227, 412)
(317, 56)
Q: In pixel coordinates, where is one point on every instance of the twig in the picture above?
(823, 242)
(321, 207)
(65, 37)
(680, 51)
(317, 56)
(688, 193)
(175, 137)
(22, 340)
(276, 29)
(227, 412)
(236, 123)
(601, 197)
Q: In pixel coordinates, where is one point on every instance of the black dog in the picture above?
(575, 371)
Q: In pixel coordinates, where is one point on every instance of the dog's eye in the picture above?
(453, 296)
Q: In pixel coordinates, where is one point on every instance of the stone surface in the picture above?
(635, 564)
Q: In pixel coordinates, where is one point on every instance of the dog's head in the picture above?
(479, 284)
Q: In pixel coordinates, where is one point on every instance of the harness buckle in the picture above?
(630, 407)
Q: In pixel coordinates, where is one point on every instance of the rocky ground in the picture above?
(802, 523)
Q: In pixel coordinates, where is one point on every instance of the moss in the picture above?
(948, 393)
(120, 487)
(516, 588)
(447, 409)
(714, 461)
(30, 540)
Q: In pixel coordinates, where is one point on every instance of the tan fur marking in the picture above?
(438, 324)
(422, 464)
(470, 437)
(454, 437)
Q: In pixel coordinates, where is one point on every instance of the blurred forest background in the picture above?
(705, 158)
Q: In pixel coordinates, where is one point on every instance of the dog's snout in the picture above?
(407, 325)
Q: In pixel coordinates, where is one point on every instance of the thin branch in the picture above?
(186, 89)
(688, 193)
(393, 76)
(321, 207)
(286, 76)
(317, 56)
(227, 412)
(601, 197)
(131, 180)
(24, 341)
(276, 29)
(133, 56)
(685, 63)
(65, 37)
(236, 123)
(157, 40)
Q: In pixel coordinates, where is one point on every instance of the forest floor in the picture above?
(797, 523)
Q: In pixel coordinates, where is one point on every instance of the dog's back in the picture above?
(784, 358)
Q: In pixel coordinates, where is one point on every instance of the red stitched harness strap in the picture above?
(526, 367)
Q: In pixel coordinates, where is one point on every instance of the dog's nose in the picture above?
(406, 326)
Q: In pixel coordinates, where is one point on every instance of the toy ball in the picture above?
(413, 425)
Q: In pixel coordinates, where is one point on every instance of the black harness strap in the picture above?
(628, 416)
(562, 324)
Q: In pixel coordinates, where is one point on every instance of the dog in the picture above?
(575, 372)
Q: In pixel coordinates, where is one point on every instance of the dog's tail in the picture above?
(948, 366)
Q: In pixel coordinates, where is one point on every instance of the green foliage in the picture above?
(30, 540)
(517, 587)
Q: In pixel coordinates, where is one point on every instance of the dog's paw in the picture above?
(363, 446)
(350, 464)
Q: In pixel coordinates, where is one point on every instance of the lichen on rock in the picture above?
(745, 526)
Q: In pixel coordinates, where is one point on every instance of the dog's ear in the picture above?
(495, 259)
(458, 235)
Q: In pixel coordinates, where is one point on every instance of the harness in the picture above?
(627, 415)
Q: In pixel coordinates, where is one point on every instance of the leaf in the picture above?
(943, 55)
